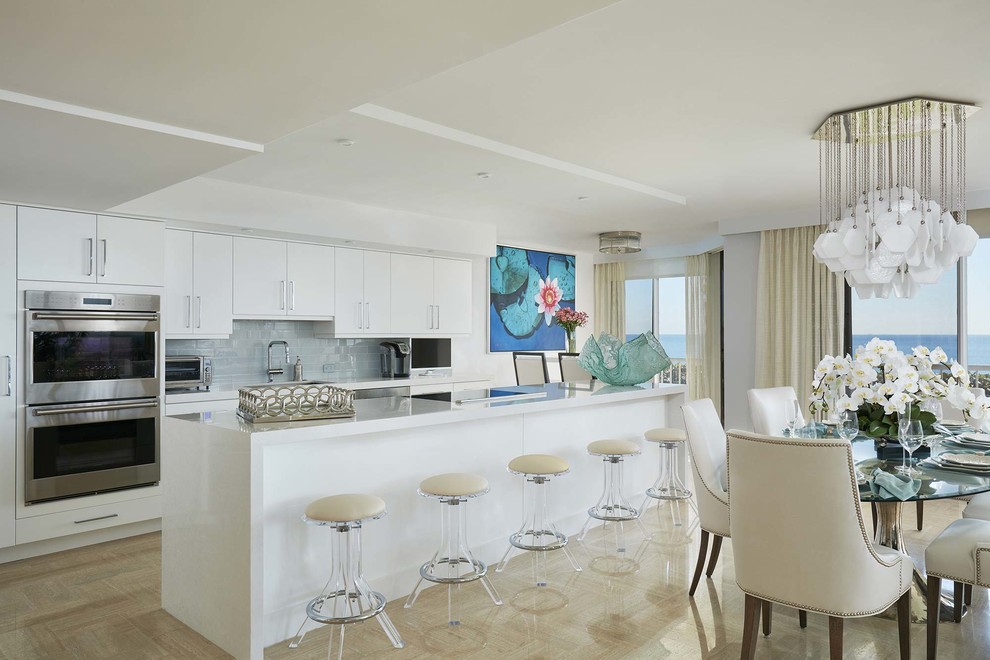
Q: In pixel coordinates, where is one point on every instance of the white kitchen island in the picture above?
(238, 563)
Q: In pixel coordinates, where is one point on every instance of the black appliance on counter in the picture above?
(395, 359)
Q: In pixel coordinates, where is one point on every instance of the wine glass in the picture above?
(903, 424)
(848, 425)
(791, 415)
(911, 440)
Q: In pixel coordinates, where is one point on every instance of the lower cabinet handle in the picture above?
(79, 522)
(199, 311)
(188, 311)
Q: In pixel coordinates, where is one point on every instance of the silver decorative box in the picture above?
(290, 402)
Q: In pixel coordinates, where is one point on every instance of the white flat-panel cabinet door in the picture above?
(130, 251)
(377, 293)
(178, 282)
(260, 286)
(348, 277)
(8, 372)
(413, 312)
(212, 269)
(311, 277)
(452, 296)
(56, 245)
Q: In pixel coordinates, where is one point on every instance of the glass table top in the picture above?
(936, 483)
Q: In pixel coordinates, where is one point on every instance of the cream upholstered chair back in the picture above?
(706, 442)
(531, 368)
(798, 536)
(571, 371)
(766, 407)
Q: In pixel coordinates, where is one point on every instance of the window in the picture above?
(977, 310)
(929, 319)
(658, 306)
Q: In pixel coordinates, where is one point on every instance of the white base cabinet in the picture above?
(65, 246)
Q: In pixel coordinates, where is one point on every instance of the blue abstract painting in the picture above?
(526, 288)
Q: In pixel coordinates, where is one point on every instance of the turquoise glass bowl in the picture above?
(615, 363)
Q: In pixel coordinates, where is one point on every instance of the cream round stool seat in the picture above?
(538, 532)
(539, 464)
(666, 435)
(613, 448)
(345, 508)
(347, 596)
(454, 484)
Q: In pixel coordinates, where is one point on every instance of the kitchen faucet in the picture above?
(272, 372)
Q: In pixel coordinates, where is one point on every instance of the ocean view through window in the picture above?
(658, 305)
(977, 309)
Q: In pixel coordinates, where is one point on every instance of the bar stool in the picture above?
(613, 506)
(669, 486)
(347, 597)
(453, 563)
(538, 533)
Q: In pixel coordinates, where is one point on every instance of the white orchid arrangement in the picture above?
(880, 382)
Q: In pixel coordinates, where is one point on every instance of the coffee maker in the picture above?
(395, 359)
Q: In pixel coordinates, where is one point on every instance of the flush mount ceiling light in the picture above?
(892, 194)
(619, 242)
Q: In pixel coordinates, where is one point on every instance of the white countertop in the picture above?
(226, 393)
(393, 413)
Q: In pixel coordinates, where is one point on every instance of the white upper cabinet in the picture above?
(274, 279)
(64, 246)
(452, 296)
(310, 272)
(198, 285)
(129, 251)
(430, 296)
(363, 292)
(413, 311)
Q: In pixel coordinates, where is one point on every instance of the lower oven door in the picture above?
(86, 448)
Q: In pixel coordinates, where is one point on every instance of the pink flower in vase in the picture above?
(548, 299)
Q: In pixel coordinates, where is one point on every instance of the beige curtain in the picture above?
(704, 342)
(799, 310)
(610, 299)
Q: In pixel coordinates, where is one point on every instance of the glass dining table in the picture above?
(936, 483)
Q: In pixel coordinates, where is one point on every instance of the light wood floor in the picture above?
(103, 602)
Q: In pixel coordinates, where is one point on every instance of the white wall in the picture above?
(471, 353)
(741, 264)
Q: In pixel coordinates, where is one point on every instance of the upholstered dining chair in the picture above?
(531, 368)
(961, 553)
(766, 408)
(799, 539)
(571, 371)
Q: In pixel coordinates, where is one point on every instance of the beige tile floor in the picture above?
(103, 602)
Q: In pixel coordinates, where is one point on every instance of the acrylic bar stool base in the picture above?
(453, 563)
(347, 597)
(613, 506)
(669, 487)
(538, 533)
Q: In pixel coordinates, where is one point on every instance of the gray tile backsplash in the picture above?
(241, 359)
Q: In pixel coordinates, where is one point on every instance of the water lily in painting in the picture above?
(548, 299)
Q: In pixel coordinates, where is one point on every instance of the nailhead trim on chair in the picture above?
(854, 488)
(799, 606)
(979, 572)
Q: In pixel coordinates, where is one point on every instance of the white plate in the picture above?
(953, 468)
(976, 461)
(976, 437)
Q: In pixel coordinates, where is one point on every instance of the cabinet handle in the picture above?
(292, 294)
(10, 381)
(90, 241)
(283, 295)
(430, 316)
(367, 323)
(79, 522)
(360, 316)
(438, 317)
(199, 311)
(104, 241)
(188, 311)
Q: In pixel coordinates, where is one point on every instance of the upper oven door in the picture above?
(90, 356)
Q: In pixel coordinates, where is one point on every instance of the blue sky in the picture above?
(639, 306)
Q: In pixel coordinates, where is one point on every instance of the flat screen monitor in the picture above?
(430, 353)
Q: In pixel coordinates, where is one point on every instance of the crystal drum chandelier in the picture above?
(893, 195)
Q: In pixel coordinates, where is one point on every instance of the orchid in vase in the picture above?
(881, 383)
(570, 320)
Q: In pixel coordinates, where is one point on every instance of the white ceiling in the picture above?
(712, 101)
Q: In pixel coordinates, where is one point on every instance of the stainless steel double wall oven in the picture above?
(92, 393)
